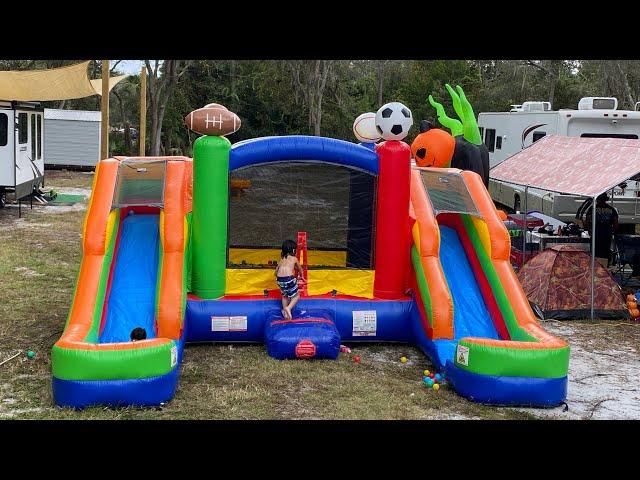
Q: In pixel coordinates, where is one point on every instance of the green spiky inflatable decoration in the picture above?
(467, 125)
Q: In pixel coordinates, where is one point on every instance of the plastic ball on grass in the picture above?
(436, 387)
(426, 373)
(356, 359)
(31, 354)
(438, 376)
(403, 359)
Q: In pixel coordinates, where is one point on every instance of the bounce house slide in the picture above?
(133, 274)
(483, 331)
(133, 284)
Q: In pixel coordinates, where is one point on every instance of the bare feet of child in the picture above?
(288, 310)
(284, 314)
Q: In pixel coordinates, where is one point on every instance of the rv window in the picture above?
(23, 128)
(33, 136)
(490, 139)
(4, 123)
(481, 132)
(498, 142)
(39, 138)
(630, 136)
(538, 135)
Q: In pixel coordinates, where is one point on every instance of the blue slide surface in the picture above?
(470, 315)
(132, 298)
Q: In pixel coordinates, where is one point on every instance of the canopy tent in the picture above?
(64, 83)
(572, 165)
(579, 166)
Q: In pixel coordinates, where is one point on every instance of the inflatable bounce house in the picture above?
(390, 252)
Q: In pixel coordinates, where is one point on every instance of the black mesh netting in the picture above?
(334, 205)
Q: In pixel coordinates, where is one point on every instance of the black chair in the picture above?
(627, 252)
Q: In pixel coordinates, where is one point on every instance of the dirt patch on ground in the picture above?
(603, 370)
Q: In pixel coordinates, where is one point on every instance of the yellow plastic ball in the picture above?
(436, 387)
(426, 373)
(403, 359)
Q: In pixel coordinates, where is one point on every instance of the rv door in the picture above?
(6, 153)
(28, 168)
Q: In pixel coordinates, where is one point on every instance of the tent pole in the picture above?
(593, 253)
(142, 132)
(104, 131)
(526, 207)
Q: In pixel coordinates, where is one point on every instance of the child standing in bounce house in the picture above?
(286, 278)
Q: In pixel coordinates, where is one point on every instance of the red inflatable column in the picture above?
(392, 255)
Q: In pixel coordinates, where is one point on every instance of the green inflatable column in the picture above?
(209, 221)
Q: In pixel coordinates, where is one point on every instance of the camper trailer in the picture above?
(507, 133)
(21, 149)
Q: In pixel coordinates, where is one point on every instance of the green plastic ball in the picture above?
(31, 354)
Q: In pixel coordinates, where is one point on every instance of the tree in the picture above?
(163, 77)
(310, 80)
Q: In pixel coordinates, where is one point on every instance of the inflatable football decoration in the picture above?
(213, 119)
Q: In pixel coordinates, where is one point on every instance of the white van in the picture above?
(507, 133)
(21, 149)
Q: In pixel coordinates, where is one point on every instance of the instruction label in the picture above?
(238, 324)
(229, 324)
(364, 323)
(462, 355)
(174, 356)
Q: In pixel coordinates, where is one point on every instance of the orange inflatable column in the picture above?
(393, 234)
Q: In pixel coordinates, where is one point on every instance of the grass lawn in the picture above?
(39, 260)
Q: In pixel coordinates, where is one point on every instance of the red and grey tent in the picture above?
(558, 280)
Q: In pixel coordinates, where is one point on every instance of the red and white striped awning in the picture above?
(572, 165)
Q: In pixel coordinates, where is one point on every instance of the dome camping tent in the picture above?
(558, 280)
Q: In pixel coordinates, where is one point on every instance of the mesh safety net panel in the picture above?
(272, 202)
(447, 192)
(140, 182)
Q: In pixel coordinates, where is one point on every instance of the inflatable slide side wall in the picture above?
(133, 268)
(502, 355)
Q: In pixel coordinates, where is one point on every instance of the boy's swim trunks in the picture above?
(288, 286)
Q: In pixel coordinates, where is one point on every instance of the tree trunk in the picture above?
(380, 81)
(161, 87)
(232, 80)
(625, 84)
(127, 128)
(554, 74)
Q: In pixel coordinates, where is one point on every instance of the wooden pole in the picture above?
(104, 133)
(142, 133)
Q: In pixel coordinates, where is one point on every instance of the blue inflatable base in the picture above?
(144, 392)
(303, 338)
(508, 391)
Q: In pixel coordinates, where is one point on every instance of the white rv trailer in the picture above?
(507, 133)
(21, 149)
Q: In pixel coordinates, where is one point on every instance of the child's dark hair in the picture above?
(288, 248)
(138, 333)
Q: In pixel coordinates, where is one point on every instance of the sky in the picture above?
(129, 67)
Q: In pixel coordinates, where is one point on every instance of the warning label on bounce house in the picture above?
(364, 323)
(229, 324)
